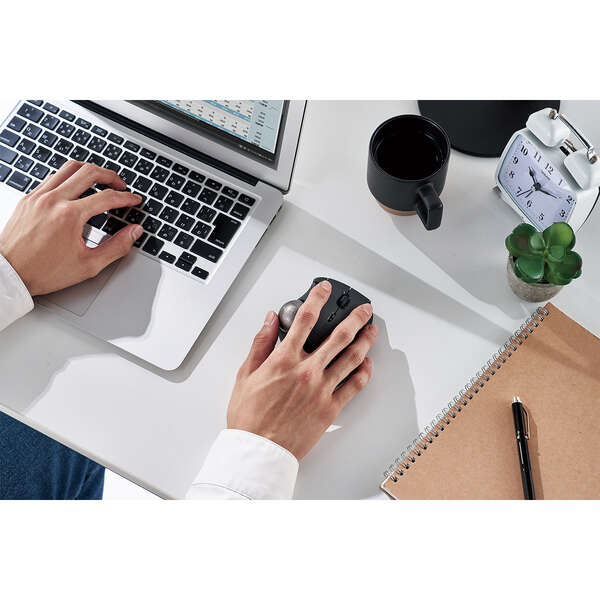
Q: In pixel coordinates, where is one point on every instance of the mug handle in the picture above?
(429, 206)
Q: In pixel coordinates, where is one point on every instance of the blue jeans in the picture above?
(35, 467)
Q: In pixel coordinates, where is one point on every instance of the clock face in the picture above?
(535, 185)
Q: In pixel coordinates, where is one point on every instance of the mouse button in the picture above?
(344, 299)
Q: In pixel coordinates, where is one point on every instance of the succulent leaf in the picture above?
(525, 240)
(559, 234)
(556, 253)
(531, 267)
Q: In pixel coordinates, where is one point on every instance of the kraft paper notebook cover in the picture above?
(470, 452)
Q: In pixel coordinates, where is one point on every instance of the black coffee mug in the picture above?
(408, 162)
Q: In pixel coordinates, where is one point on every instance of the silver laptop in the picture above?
(211, 174)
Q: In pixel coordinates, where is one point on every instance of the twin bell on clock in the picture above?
(545, 177)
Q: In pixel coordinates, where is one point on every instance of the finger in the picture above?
(114, 248)
(354, 385)
(66, 171)
(307, 315)
(353, 356)
(86, 177)
(263, 343)
(343, 335)
(106, 200)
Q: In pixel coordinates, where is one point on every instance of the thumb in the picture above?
(264, 342)
(117, 246)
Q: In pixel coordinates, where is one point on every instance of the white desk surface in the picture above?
(441, 301)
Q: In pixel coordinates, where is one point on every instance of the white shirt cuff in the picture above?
(15, 300)
(241, 464)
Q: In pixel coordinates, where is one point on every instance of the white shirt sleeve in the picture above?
(15, 300)
(242, 465)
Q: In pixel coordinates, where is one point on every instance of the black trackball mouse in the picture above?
(342, 301)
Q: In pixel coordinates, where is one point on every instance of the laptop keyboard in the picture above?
(189, 218)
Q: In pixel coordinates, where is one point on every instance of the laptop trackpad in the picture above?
(78, 298)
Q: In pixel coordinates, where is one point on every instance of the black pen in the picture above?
(521, 419)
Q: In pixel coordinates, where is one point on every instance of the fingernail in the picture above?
(270, 318)
(369, 308)
(136, 232)
(325, 285)
(139, 198)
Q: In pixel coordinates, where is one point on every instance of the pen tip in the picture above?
(516, 399)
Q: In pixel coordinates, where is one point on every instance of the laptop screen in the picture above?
(250, 126)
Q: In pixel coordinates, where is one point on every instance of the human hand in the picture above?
(43, 238)
(289, 396)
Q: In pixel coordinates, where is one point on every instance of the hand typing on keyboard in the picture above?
(289, 396)
(43, 238)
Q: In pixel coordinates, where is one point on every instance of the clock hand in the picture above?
(547, 193)
(525, 191)
(530, 192)
(532, 173)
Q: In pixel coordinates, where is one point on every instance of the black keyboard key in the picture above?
(153, 207)
(99, 131)
(127, 176)
(191, 189)
(57, 161)
(131, 146)
(215, 185)
(26, 146)
(196, 176)
(33, 185)
(207, 214)
(30, 112)
(113, 225)
(153, 246)
(164, 161)
(184, 240)
(175, 181)
(23, 163)
(230, 192)
(190, 206)
(88, 192)
(224, 229)
(4, 171)
(223, 203)
(81, 137)
(67, 115)
(36, 102)
(19, 181)
(159, 174)
(170, 258)
(113, 152)
(246, 200)
(167, 232)
(148, 153)
(80, 153)
(206, 251)
(119, 212)
(239, 211)
(135, 216)
(188, 258)
(49, 122)
(158, 191)
(198, 272)
(98, 220)
(65, 129)
(143, 166)
(112, 166)
(41, 154)
(151, 224)
(17, 124)
(7, 155)
(140, 240)
(185, 222)
(39, 171)
(201, 230)
(208, 196)
(83, 123)
(184, 264)
(51, 108)
(169, 214)
(180, 169)
(10, 138)
(113, 137)
(128, 159)
(64, 146)
(174, 198)
(96, 160)
(97, 144)
(48, 139)
(33, 131)
(142, 184)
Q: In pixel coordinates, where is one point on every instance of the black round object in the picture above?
(482, 127)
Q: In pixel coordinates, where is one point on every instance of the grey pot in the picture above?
(530, 292)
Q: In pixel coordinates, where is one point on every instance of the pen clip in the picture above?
(526, 433)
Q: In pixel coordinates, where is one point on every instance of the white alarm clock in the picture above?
(544, 177)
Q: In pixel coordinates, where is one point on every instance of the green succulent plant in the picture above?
(544, 257)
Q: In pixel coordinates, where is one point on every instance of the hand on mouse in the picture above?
(289, 396)
(43, 238)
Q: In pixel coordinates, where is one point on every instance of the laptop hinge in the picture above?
(167, 141)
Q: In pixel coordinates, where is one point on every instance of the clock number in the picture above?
(515, 160)
(529, 203)
(519, 188)
(524, 150)
(549, 168)
(541, 217)
(537, 156)
(512, 174)
(563, 213)
(560, 181)
(569, 199)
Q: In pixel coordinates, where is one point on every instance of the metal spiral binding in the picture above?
(444, 419)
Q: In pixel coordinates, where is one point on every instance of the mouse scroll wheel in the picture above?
(343, 300)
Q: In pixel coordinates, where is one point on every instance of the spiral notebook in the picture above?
(469, 451)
